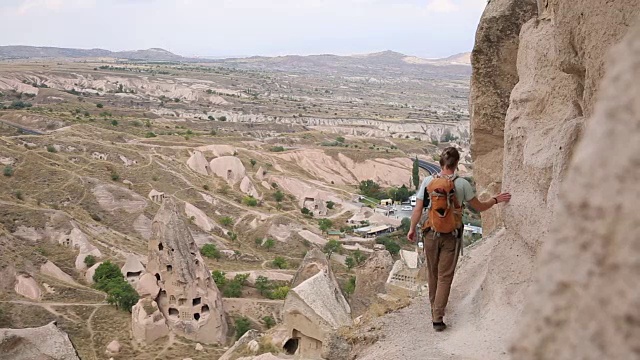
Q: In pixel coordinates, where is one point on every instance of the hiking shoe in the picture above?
(439, 326)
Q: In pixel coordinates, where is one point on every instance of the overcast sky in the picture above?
(427, 28)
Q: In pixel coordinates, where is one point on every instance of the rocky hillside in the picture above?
(554, 92)
(29, 52)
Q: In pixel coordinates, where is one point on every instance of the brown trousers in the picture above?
(441, 252)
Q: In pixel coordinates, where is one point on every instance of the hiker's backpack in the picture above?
(445, 214)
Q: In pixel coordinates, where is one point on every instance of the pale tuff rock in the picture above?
(142, 225)
(371, 278)
(80, 241)
(28, 287)
(117, 198)
(494, 77)
(313, 311)
(249, 336)
(246, 186)
(199, 218)
(260, 174)
(46, 342)
(88, 275)
(230, 168)
(218, 150)
(132, 269)
(188, 299)
(584, 304)
(199, 347)
(148, 286)
(113, 347)
(126, 161)
(314, 262)
(198, 163)
(148, 324)
(52, 270)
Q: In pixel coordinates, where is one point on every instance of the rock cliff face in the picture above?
(584, 305)
(188, 298)
(572, 203)
(493, 78)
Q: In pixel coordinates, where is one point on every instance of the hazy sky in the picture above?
(427, 28)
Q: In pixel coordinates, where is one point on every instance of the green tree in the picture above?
(332, 246)
(250, 201)
(122, 295)
(99, 105)
(242, 326)
(389, 244)
(280, 293)
(226, 221)
(277, 149)
(405, 225)
(106, 272)
(253, 162)
(340, 139)
(150, 134)
(359, 257)
(90, 260)
(415, 174)
(330, 204)
(219, 278)
(114, 122)
(222, 118)
(268, 321)
(51, 149)
(8, 171)
(211, 251)
(269, 243)
(278, 196)
(279, 262)
(305, 211)
(263, 285)
(371, 189)
(325, 224)
(350, 262)
(350, 286)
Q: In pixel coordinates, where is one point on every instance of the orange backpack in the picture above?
(445, 215)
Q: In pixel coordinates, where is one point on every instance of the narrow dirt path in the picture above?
(91, 333)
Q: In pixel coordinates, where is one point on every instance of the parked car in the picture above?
(407, 208)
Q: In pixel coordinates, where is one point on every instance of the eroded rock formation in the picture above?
(580, 307)
(314, 310)
(188, 298)
(371, 278)
(585, 304)
(46, 342)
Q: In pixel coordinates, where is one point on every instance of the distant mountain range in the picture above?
(156, 54)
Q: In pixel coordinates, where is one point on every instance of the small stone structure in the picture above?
(188, 299)
(156, 196)
(148, 324)
(404, 278)
(314, 309)
(317, 205)
(132, 269)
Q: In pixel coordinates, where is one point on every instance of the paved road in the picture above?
(431, 168)
(23, 129)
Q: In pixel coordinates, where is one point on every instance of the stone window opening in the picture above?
(196, 316)
(291, 346)
(229, 174)
(158, 277)
(172, 299)
(160, 247)
(197, 262)
(174, 313)
(67, 242)
(169, 268)
(133, 274)
(182, 301)
(197, 301)
(205, 309)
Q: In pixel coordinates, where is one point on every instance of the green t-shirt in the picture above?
(464, 191)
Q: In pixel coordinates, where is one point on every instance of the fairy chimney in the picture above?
(188, 298)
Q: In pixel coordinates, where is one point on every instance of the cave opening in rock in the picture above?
(197, 301)
(160, 247)
(196, 316)
(158, 277)
(205, 309)
(135, 274)
(174, 313)
(291, 346)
